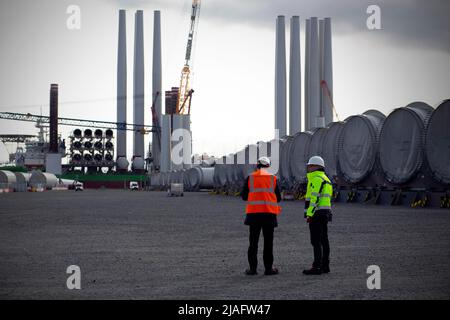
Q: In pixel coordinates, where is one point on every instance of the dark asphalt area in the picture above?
(145, 245)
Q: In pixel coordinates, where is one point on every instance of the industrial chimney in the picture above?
(53, 157)
(122, 162)
(138, 93)
(53, 118)
(280, 76)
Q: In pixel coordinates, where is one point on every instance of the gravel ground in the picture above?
(144, 245)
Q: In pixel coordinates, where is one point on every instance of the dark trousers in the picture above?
(318, 228)
(255, 231)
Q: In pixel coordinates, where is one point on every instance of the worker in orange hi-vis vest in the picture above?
(262, 195)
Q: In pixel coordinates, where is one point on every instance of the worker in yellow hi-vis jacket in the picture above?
(318, 213)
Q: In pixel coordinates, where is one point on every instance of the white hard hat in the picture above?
(265, 161)
(316, 160)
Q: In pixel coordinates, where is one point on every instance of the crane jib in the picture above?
(184, 91)
(74, 122)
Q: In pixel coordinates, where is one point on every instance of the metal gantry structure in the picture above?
(75, 122)
(15, 138)
(185, 92)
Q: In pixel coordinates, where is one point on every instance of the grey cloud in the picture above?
(163, 4)
(416, 23)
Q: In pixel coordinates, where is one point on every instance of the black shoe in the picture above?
(271, 272)
(312, 271)
(250, 272)
(325, 269)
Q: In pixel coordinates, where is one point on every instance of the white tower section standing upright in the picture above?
(314, 76)
(306, 82)
(181, 150)
(327, 69)
(295, 78)
(122, 162)
(187, 151)
(280, 76)
(156, 87)
(138, 96)
(321, 35)
(166, 129)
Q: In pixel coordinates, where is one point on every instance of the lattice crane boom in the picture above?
(185, 93)
(73, 122)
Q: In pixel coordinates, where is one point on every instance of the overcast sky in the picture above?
(233, 105)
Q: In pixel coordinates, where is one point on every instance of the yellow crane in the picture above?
(185, 92)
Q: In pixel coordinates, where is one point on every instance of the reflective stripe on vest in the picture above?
(269, 203)
(320, 195)
(315, 205)
(323, 207)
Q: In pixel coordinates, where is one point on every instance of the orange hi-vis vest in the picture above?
(261, 196)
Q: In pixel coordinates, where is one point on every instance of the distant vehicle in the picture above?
(176, 190)
(134, 186)
(79, 186)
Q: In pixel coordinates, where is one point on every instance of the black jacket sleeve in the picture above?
(277, 192)
(245, 190)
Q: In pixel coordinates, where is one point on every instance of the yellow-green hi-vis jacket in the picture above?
(319, 196)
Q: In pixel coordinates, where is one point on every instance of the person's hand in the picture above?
(308, 219)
